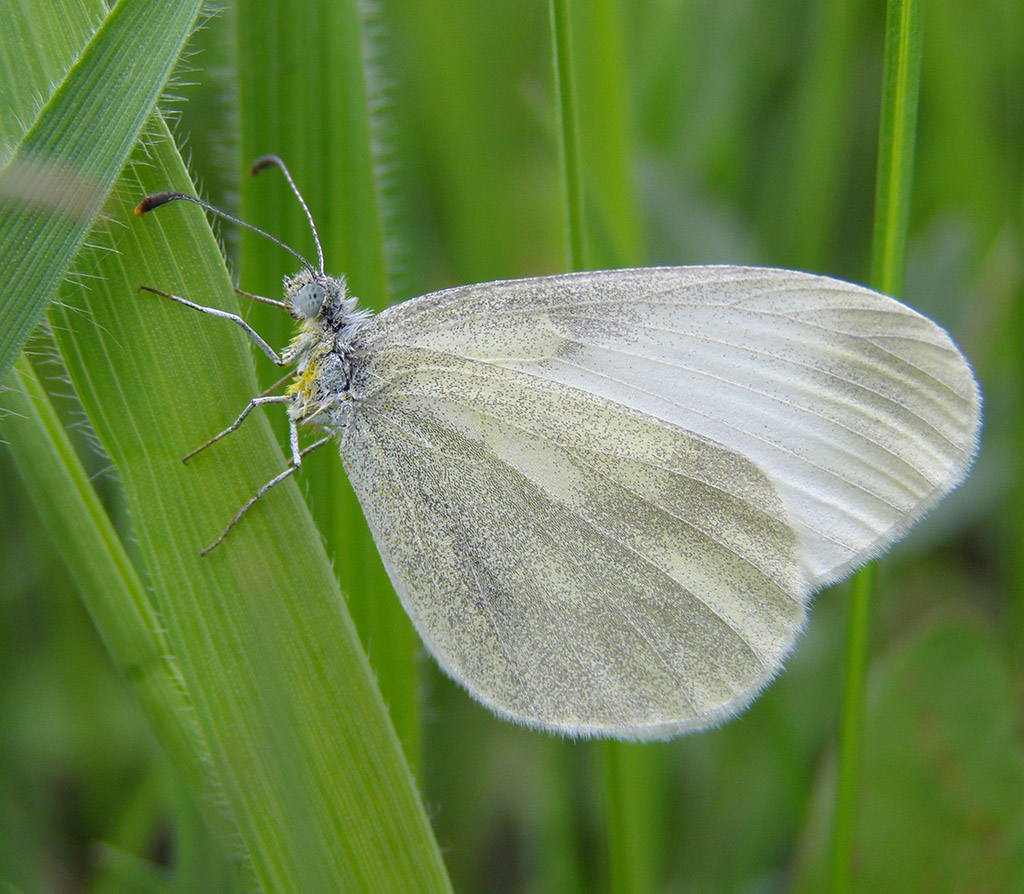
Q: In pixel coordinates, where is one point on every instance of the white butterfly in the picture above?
(606, 498)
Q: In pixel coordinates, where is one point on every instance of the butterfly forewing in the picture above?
(861, 412)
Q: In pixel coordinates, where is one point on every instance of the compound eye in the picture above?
(309, 299)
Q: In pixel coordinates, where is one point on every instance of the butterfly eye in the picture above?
(309, 299)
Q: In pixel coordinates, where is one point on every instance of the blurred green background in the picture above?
(744, 132)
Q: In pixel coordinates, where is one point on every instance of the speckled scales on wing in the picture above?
(861, 412)
(572, 562)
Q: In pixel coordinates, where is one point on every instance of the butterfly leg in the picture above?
(277, 479)
(224, 315)
(255, 402)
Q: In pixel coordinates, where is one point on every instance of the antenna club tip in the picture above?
(264, 162)
(156, 199)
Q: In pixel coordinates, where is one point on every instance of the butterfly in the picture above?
(605, 499)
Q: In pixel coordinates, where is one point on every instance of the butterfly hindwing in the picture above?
(574, 563)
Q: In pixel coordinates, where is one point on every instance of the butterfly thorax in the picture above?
(321, 349)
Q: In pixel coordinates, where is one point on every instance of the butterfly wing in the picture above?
(575, 564)
(862, 412)
(605, 498)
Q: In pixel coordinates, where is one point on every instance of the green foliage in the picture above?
(64, 164)
(423, 136)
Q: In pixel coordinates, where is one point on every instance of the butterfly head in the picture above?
(323, 301)
(310, 294)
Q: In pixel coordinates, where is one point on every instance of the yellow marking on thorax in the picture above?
(304, 385)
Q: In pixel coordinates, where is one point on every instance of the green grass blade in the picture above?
(54, 185)
(606, 137)
(901, 86)
(851, 726)
(312, 91)
(40, 42)
(568, 131)
(310, 768)
(900, 90)
(633, 825)
(108, 583)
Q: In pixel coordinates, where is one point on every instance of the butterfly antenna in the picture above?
(272, 161)
(156, 199)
